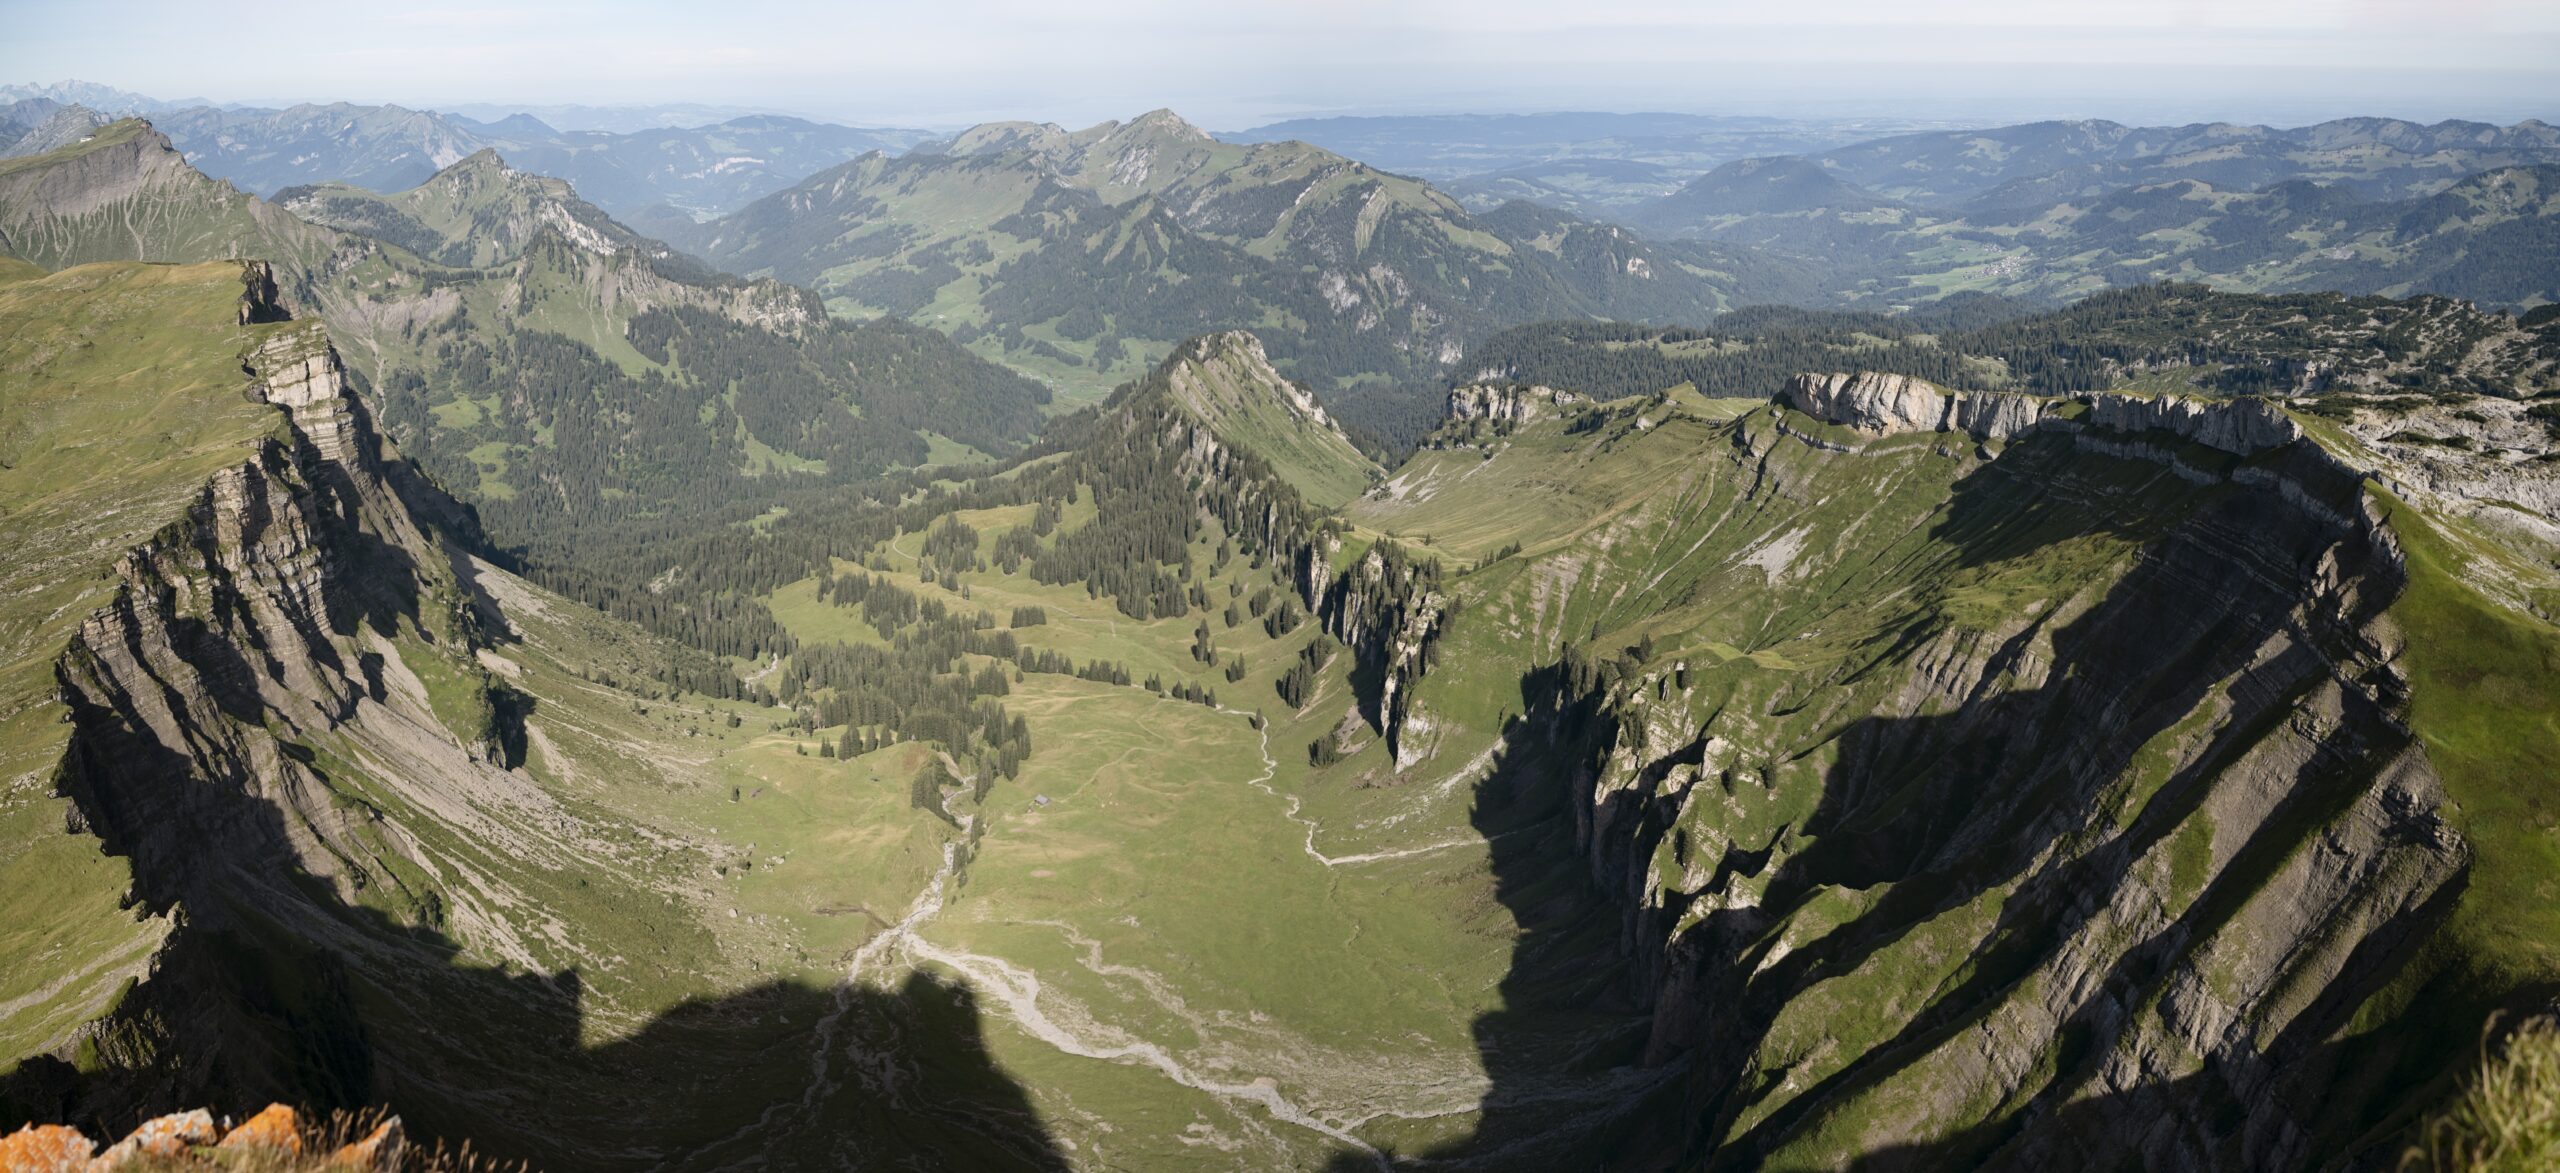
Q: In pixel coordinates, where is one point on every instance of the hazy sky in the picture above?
(1230, 65)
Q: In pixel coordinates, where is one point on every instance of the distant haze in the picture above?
(1240, 64)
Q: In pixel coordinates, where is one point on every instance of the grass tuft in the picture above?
(2507, 1118)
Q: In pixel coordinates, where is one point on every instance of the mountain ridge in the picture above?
(1377, 274)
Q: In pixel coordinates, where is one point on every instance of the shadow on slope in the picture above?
(2229, 599)
(2231, 608)
(1568, 1090)
(500, 1062)
(274, 987)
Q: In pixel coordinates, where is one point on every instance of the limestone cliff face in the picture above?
(1508, 404)
(1257, 444)
(260, 667)
(1387, 610)
(2121, 862)
(1884, 405)
(2482, 456)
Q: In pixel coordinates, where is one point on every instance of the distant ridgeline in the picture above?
(1084, 256)
(2064, 209)
(2169, 337)
(584, 387)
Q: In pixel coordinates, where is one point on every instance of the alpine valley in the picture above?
(1126, 649)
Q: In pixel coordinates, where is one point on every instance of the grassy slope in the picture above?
(2485, 699)
(1233, 391)
(616, 862)
(172, 214)
(1771, 606)
(120, 386)
(1120, 896)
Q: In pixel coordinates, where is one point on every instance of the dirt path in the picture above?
(1291, 806)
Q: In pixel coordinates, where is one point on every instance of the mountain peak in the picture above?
(1224, 345)
(1164, 121)
(1226, 382)
(518, 125)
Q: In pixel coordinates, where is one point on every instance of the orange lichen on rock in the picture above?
(278, 1128)
(162, 1136)
(276, 1139)
(379, 1150)
(45, 1148)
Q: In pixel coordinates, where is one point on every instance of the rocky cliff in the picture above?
(2173, 800)
(291, 720)
(2080, 787)
(1507, 406)
(263, 657)
(1883, 405)
(1220, 431)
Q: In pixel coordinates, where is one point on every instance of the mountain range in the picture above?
(1083, 256)
(666, 171)
(655, 173)
(470, 659)
(481, 306)
(2064, 209)
(1584, 163)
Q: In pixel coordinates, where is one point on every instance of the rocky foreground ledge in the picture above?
(276, 1139)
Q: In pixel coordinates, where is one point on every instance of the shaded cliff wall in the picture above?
(2097, 842)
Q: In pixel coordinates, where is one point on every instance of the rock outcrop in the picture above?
(277, 1138)
(1257, 450)
(1388, 609)
(2485, 456)
(1508, 404)
(2160, 823)
(298, 603)
(1885, 404)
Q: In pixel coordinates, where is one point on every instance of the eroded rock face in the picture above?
(271, 615)
(1383, 611)
(2163, 833)
(258, 301)
(1507, 403)
(2483, 456)
(1884, 404)
(2242, 427)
